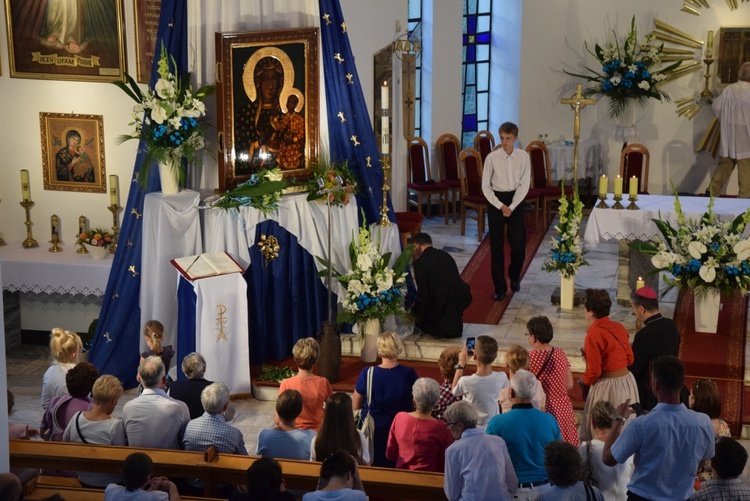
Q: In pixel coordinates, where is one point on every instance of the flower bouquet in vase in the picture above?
(170, 119)
(373, 288)
(708, 256)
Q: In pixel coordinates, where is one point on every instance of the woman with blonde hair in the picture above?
(65, 347)
(153, 333)
(516, 358)
(314, 389)
(391, 393)
(98, 426)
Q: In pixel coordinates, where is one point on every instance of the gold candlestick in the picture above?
(706, 93)
(81, 229)
(384, 221)
(618, 205)
(55, 222)
(632, 205)
(602, 204)
(114, 209)
(29, 242)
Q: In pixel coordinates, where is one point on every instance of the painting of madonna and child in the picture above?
(268, 103)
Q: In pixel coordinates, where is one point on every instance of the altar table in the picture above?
(561, 160)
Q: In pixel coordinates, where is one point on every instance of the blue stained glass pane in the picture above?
(417, 117)
(485, 6)
(471, 54)
(483, 76)
(483, 24)
(470, 123)
(483, 38)
(470, 99)
(418, 83)
(415, 9)
(470, 74)
(482, 105)
(472, 24)
(467, 139)
(463, 54)
(483, 53)
(471, 6)
(463, 25)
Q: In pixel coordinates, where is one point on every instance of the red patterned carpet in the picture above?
(484, 309)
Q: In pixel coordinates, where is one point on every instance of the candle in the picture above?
(81, 225)
(618, 186)
(633, 187)
(385, 132)
(710, 43)
(639, 283)
(25, 186)
(55, 223)
(114, 190)
(603, 187)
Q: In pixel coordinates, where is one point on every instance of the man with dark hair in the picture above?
(658, 337)
(136, 474)
(665, 459)
(442, 296)
(505, 184)
(728, 463)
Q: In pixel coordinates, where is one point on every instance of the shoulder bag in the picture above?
(366, 424)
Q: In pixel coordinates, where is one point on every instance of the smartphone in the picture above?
(638, 408)
(470, 342)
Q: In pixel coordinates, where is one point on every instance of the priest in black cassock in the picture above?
(442, 296)
(659, 336)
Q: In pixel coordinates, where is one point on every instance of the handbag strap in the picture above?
(369, 387)
(544, 365)
(78, 429)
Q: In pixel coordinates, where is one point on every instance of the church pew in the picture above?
(226, 468)
(83, 494)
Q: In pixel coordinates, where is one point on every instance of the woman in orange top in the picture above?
(607, 353)
(314, 389)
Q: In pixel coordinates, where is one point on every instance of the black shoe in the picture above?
(501, 296)
(515, 286)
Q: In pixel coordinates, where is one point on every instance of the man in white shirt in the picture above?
(732, 108)
(154, 419)
(505, 184)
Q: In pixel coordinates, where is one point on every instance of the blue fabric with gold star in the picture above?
(116, 343)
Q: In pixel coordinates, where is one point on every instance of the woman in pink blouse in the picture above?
(417, 440)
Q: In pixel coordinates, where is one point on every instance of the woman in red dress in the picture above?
(551, 367)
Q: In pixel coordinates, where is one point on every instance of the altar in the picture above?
(561, 160)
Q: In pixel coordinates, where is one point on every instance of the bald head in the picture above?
(745, 72)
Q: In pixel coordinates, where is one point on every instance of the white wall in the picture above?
(554, 35)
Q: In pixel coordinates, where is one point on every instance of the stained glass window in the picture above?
(415, 26)
(477, 28)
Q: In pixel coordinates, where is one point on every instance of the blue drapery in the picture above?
(286, 301)
(116, 343)
(344, 94)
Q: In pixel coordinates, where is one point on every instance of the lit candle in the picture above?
(114, 190)
(618, 186)
(639, 283)
(55, 223)
(25, 186)
(81, 225)
(603, 187)
(385, 132)
(710, 43)
(633, 187)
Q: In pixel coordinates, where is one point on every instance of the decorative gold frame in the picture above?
(96, 59)
(146, 22)
(54, 129)
(237, 54)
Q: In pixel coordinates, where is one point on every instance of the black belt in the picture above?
(526, 485)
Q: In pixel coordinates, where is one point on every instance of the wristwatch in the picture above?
(459, 367)
(620, 418)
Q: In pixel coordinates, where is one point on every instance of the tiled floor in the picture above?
(27, 365)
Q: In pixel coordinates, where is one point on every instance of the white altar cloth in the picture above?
(589, 160)
(233, 231)
(42, 272)
(605, 224)
(171, 229)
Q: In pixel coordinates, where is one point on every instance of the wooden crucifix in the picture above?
(577, 102)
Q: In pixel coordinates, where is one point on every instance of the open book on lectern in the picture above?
(206, 265)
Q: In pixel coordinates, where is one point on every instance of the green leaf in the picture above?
(265, 188)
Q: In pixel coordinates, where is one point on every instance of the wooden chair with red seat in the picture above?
(634, 161)
(470, 174)
(484, 142)
(420, 183)
(409, 224)
(541, 176)
(448, 148)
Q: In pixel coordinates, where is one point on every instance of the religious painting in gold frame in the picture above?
(267, 100)
(146, 27)
(73, 152)
(61, 40)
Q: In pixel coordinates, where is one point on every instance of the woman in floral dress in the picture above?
(551, 367)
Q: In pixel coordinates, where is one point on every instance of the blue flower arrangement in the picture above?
(567, 253)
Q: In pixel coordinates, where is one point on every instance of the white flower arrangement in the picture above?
(567, 252)
(168, 118)
(373, 289)
(702, 254)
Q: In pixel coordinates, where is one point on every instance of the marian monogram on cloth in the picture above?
(222, 329)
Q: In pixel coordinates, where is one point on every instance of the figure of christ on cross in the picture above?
(577, 102)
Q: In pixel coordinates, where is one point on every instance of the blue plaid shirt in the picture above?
(212, 429)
